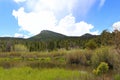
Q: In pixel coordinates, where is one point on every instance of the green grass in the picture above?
(32, 62)
(74, 59)
(27, 73)
(117, 77)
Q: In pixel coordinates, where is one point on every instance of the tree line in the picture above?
(106, 38)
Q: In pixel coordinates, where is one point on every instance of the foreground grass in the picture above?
(27, 73)
(66, 59)
(117, 77)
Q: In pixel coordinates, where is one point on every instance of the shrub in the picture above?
(91, 44)
(114, 60)
(100, 55)
(88, 54)
(101, 69)
(76, 57)
(105, 54)
(20, 48)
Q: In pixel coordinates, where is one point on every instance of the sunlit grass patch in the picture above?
(27, 73)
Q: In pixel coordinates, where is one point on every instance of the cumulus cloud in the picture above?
(83, 27)
(18, 35)
(68, 26)
(18, 1)
(55, 15)
(116, 25)
(34, 22)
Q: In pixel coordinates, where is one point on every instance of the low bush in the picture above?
(105, 54)
(101, 69)
(76, 57)
(91, 45)
(100, 55)
(20, 48)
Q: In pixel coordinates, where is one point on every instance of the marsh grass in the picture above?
(117, 77)
(79, 56)
(47, 65)
(27, 73)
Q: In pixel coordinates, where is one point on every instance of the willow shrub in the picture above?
(105, 54)
(20, 48)
(81, 57)
(76, 57)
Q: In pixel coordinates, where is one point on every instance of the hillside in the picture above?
(46, 35)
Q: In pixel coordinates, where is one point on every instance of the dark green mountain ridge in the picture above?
(47, 35)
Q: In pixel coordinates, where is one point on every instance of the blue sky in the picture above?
(25, 18)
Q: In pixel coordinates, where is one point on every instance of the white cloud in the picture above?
(18, 1)
(116, 25)
(68, 26)
(83, 27)
(18, 35)
(34, 22)
(55, 15)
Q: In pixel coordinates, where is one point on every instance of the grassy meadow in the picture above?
(75, 64)
(27, 73)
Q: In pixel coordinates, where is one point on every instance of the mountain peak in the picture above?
(87, 35)
(45, 31)
(48, 35)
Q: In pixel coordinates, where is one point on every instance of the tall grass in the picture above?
(79, 56)
(108, 55)
(117, 77)
(60, 52)
(27, 73)
(62, 58)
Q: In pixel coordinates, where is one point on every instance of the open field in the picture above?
(59, 40)
(76, 64)
(27, 73)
